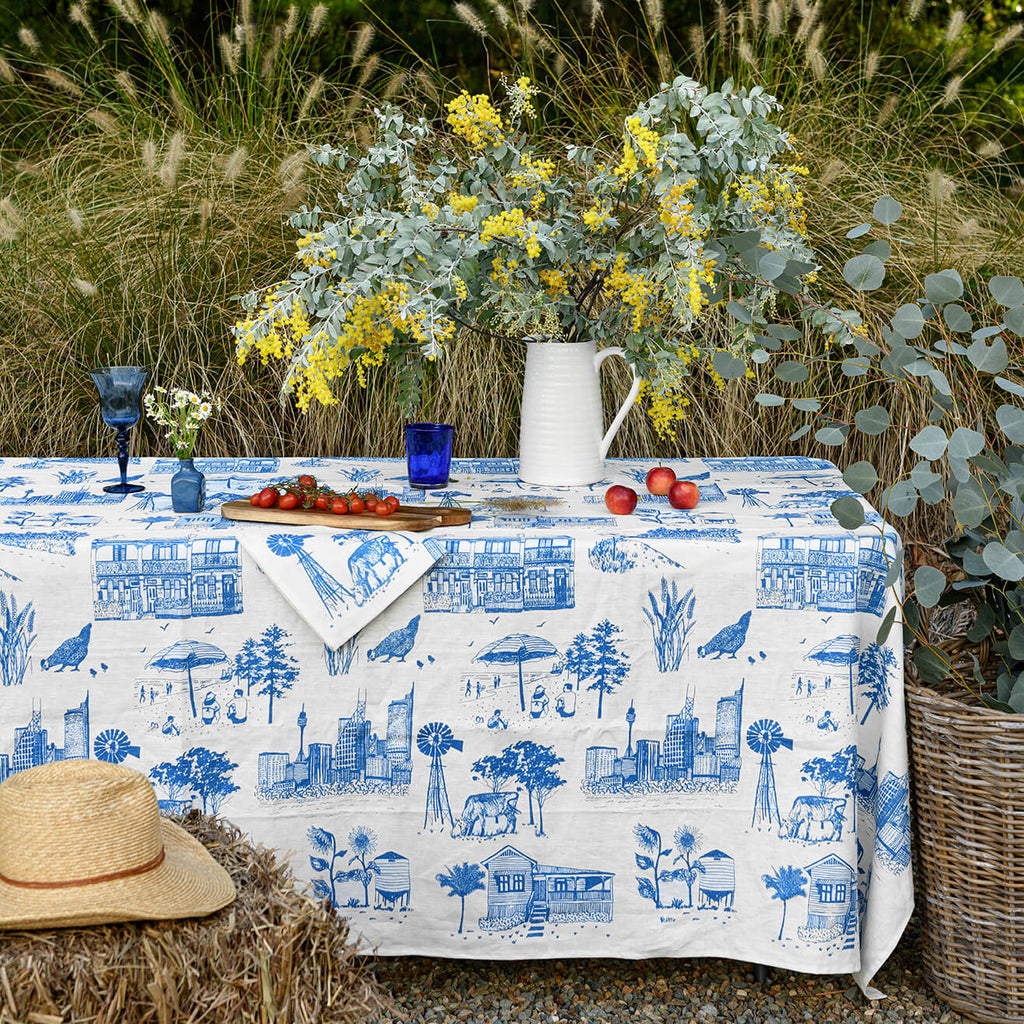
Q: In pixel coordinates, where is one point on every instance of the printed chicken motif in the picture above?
(727, 640)
(396, 644)
(71, 652)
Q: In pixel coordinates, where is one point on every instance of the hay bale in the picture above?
(274, 956)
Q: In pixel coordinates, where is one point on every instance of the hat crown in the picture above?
(71, 821)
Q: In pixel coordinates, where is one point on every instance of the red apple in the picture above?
(683, 494)
(660, 479)
(620, 499)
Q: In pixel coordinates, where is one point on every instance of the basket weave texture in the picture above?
(967, 774)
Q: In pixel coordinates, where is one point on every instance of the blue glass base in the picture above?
(188, 488)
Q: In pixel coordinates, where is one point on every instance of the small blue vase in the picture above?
(188, 488)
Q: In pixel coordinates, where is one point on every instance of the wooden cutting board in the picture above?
(407, 517)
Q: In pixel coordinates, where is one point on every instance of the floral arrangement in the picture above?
(477, 228)
(183, 413)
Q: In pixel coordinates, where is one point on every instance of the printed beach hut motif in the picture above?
(519, 888)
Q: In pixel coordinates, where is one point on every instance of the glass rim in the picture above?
(111, 369)
(437, 427)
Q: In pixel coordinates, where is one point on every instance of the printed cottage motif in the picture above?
(520, 889)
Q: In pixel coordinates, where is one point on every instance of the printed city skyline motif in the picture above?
(166, 579)
(830, 573)
(688, 759)
(33, 747)
(503, 574)
(359, 761)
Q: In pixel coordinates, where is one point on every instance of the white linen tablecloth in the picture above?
(575, 734)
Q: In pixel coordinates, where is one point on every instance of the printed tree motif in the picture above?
(362, 842)
(339, 661)
(497, 769)
(278, 668)
(462, 880)
(688, 841)
(248, 665)
(324, 842)
(577, 658)
(671, 623)
(785, 884)
(873, 668)
(609, 666)
(544, 784)
(838, 770)
(534, 768)
(16, 637)
(650, 840)
(176, 777)
(210, 772)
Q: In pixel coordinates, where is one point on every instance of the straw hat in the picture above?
(82, 842)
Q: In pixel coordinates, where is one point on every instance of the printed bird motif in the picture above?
(727, 640)
(71, 652)
(396, 644)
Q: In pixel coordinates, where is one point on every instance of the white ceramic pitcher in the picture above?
(562, 440)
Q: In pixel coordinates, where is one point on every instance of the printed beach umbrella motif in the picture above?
(184, 656)
(842, 650)
(515, 649)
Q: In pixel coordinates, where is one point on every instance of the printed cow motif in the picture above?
(481, 808)
(372, 563)
(816, 819)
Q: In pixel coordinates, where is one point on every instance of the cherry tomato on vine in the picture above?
(288, 501)
(307, 482)
(323, 502)
(382, 509)
(255, 499)
(268, 497)
(371, 502)
(355, 506)
(392, 502)
(339, 507)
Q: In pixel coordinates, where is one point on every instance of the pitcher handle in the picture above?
(601, 356)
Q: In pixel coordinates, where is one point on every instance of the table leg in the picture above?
(760, 974)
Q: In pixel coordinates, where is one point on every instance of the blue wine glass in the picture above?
(120, 389)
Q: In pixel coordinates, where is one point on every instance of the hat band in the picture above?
(140, 869)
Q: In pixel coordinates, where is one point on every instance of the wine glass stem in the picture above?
(122, 454)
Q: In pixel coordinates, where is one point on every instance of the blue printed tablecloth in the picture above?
(576, 734)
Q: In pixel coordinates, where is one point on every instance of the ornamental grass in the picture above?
(273, 954)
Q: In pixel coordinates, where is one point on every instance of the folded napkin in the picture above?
(338, 580)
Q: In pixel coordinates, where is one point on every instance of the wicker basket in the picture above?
(967, 773)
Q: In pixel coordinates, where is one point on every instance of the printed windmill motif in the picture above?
(765, 737)
(434, 741)
(113, 745)
(331, 592)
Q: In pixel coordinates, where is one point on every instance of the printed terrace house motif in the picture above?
(166, 579)
(521, 889)
(502, 574)
(832, 901)
(359, 757)
(892, 822)
(832, 574)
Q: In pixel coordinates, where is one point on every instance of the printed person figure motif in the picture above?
(211, 708)
(238, 709)
(565, 705)
(496, 721)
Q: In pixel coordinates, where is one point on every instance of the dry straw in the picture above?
(273, 955)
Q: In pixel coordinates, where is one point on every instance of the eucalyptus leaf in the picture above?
(1002, 562)
(1016, 642)
(1007, 291)
(887, 210)
(864, 273)
(765, 398)
(895, 569)
(800, 432)
(929, 583)
(901, 498)
(886, 625)
(806, 404)
(728, 366)
(879, 248)
(997, 705)
(860, 229)
(1011, 386)
(957, 318)
(739, 312)
(873, 420)
(983, 623)
(1011, 422)
(792, 371)
(945, 286)
(971, 505)
(988, 358)
(1016, 700)
(908, 320)
(848, 512)
(784, 332)
(964, 442)
(860, 477)
(931, 664)
(771, 265)
(1013, 319)
(930, 442)
(831, 436)
(855, 367)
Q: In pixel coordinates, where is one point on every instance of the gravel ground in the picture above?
(698, 991)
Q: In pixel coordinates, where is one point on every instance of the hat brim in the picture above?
(189, 883)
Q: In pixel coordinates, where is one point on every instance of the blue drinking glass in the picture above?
(120, 389)
(428, 454)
